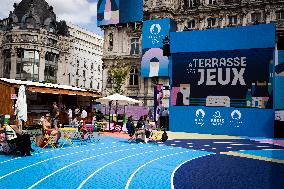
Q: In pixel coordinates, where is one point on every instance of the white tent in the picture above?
(21, 109)
(120, 99)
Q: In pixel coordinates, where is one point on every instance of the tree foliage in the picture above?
(118, 73)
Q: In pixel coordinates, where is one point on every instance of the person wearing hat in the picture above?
(46, 123)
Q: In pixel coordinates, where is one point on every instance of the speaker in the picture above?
(280, 42)
(166, 50)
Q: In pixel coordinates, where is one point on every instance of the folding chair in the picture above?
(11, 141)
(49, 140)
(155, 137)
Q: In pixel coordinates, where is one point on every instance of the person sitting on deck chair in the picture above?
(130, 127)
(140, 129)
(22, 141)
(46, 123)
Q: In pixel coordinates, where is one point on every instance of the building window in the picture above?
(77, 82)
(279, 15)
(29, 38)
(211, 22)
(134, 46)
(191, 24)
(109, 82)
(7, 63)
(255, 17)
(51, 27)
(30, 22)
(110, 48)
(133, 80)
(69, 78)
(211, 2)
(27, 65)
(9, 39)
(50, 71)
(51, 42)
(190, 3)
(84, 73)
(91, 84)
(230, 1)
(233, 20)
(84, 83)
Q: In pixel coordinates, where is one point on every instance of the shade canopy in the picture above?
(121, 99)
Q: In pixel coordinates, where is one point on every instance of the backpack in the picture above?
(164, 137)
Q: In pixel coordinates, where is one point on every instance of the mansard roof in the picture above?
(37, 8)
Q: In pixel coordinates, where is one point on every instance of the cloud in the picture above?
(75, 11)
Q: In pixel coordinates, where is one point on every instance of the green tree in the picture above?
(118, 73)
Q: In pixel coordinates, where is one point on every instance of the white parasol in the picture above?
(119, 99)
(21, 109)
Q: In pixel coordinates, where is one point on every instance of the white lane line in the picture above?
(138, 169)
(65, 167)
(40, 162)
(173, 173)
(263, 146)
(98, 170)
(46, 151)
(240, 144)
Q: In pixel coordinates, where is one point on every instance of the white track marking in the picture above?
(40, 162)
(46, 151)
(98, 170)
(53, 173)
(173, 173)
(138, 169)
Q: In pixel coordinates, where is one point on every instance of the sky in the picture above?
(79, 12)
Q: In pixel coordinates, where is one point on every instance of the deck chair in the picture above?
(155, 137)
(49, 140)
(11, 141)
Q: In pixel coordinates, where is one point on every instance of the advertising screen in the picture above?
(119, 11)
(153, 62)
(232, 78)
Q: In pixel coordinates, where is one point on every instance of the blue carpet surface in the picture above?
(107, 164)
(118, 164)
(222, 171)
(221, 145)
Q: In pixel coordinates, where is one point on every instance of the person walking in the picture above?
(55, 115)
(70, 116)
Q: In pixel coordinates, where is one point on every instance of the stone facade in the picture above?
(85, 68)
(35, 46)
(189, 15)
